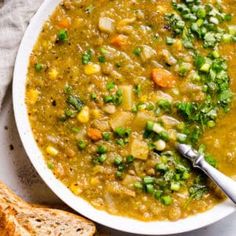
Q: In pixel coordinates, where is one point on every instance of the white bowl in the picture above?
(81, 206)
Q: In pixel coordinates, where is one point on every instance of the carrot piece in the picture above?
(163, 78)
(119, 40)
(94, 134)
(64, 23)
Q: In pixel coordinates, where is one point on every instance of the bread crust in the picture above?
(19, 218)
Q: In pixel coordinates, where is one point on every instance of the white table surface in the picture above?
(17, 172)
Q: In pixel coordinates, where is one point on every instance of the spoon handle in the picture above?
(227, 185)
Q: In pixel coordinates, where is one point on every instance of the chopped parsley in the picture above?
(194, 19)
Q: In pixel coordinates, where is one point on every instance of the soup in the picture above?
(114, 85)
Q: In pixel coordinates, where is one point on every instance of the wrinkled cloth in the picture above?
(14, 18)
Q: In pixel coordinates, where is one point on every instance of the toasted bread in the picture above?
(19, 218)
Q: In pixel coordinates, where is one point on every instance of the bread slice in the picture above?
(18, 218)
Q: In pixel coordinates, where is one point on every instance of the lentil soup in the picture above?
(114, 85)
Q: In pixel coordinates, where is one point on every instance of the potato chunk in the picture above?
(106, 24)
(121, 119)
(141, 120)
(139, 149)
(147, 53)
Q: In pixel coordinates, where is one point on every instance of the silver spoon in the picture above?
(227, 185)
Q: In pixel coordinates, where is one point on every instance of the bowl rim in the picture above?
(78, 204)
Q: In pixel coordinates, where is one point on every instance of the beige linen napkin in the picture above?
(14, 18)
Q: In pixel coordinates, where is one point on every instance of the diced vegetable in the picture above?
(129, 180)
(137, 51)
(62, 36)
(93, 96)
(175, 186)
(110, 86)
(81, 144)
(129, 159)
(211, 123)
(141, 120)
(101, 149)
(116, 98)
(150, 188)
(161, 167)
(118, 160)
(121, 119)
(75, 102)
(163, 78)
(170, 41)
(166, 200)
(148, 180)
(122, 132)
(206, 66)
(181, 137)
(102, 158)
(106, 24)
(83, 116)
(127, 97)
(96, 113)
(155, 127)
(183, 68)
(86, 57)
(92, 68)
(119, 40)
(38, 67)
(64, 23)
(164, 105)
(94, 134)
(139, 149)
(168, 58)
(109, 108)
(160, 145)
(52, 151)
(147, 53)
(106, 136)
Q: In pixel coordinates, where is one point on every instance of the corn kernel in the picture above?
(96, 113)
(32, 97)
(92, 68)
(83, 116)
(143, 98)
(94, 181)
(51, 151)
(178, 45)
(53, 73)
(75, 189)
